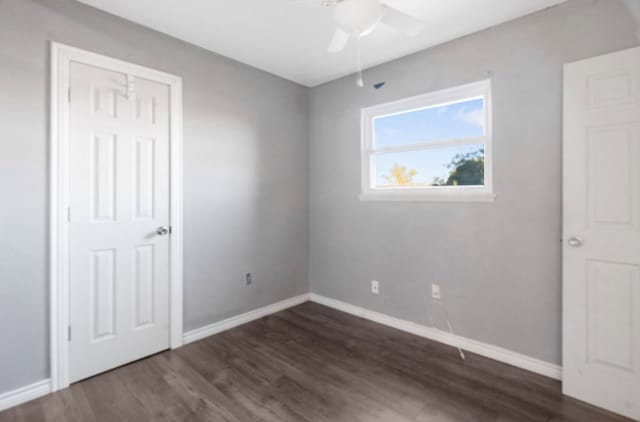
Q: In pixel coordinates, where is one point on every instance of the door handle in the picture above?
(575, 242)
(162, 231)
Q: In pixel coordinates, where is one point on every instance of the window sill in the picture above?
(427, 197)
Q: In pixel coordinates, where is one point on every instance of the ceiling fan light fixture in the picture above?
(358, 16)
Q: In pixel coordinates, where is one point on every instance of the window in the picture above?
(434, 147)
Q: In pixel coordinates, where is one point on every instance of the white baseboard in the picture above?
(487, 350)
(24, 394)
(226, 324)
(41, 388)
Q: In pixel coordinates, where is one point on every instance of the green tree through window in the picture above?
(464, 170)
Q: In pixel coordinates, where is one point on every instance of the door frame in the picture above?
(59, 288)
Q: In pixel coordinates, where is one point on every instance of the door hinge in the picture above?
(69, 214)
(69, 94)
(170, 230)
(69, 333)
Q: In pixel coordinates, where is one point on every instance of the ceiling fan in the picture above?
(358, 18)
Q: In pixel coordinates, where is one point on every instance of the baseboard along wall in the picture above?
(41, 388)
(483, 349)
(234, 321)
(24, 394)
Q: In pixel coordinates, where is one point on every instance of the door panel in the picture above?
(601, 253)
(119, 196)
(610, 326)
(144, 175)
(103, 280)
(104, 101)
(143, 293)
(612, 177)
(103, 175)
(610, 89)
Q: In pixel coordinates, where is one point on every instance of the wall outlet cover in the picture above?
(435, 291)
(375, 287)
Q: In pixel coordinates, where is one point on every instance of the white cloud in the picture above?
(473, 117)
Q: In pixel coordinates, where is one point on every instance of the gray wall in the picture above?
(499, 264)
(246, 177)
(245, 174)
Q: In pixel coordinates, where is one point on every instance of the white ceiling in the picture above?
(289, 38)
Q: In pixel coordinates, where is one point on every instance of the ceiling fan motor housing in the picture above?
(358, 16)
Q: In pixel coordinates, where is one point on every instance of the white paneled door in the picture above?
(601, 329)
(118, 218)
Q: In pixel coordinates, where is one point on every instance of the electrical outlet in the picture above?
(435, 291)
(247, 279)
(375, 287)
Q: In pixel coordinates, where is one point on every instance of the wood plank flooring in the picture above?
(306, 364)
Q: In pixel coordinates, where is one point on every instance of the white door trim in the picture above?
(61, 57)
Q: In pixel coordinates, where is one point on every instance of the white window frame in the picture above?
(481, 89)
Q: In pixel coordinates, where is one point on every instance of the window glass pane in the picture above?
(452, 121)
(447, 166)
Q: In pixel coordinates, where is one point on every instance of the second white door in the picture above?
(601, 347)
(119, 216)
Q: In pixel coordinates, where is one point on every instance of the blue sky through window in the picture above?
(453, 121)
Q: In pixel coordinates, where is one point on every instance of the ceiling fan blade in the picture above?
(339, 41)
(401, 22)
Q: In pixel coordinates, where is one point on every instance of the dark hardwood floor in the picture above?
(311, 363)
